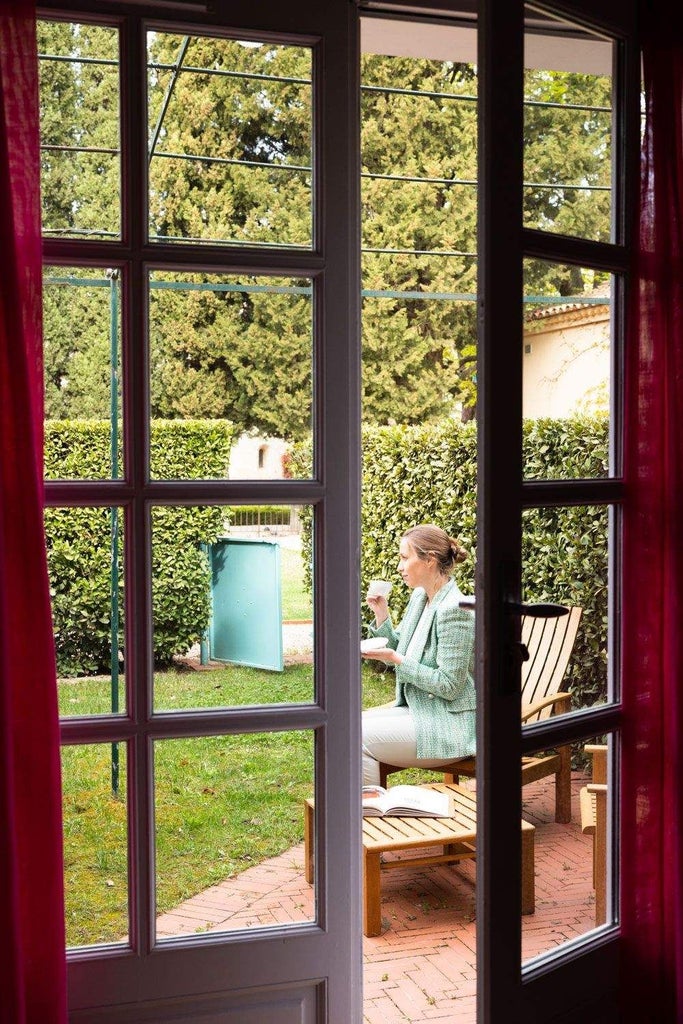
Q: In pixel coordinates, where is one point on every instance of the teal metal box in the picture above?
(246, 603)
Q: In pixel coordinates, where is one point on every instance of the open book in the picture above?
(405, 801)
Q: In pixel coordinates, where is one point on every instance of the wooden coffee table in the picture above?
(454, 837)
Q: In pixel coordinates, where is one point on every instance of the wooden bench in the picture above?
(454, 837)
(593, 804)
(550, 643)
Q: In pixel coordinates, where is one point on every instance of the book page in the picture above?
(416, 800)
(372, 797)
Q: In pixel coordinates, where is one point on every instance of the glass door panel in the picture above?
(568, 366)
(95, 809)
(568, 128)
(232, 604)
(235, 352)
(87, 584)
(575, 861)
(80, 130)
(225, 197)
(558, 155)
(229, 832)
(245, 176)
(565, 554)
(83, 374)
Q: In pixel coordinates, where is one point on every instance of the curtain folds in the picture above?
(33, 968)
(652, 794)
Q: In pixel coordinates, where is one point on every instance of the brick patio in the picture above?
(422, 966)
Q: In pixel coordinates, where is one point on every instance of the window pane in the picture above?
(233, 607)
(567, 371)
(95, 843)
(229, 832)
(79, 129)
(86, 567)
(82, 364)
(230, 141)
(565, 561)
(574, 866)
(235, 357)
(568, 155)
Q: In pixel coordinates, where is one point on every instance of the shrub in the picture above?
(428, 474)
(79, 542)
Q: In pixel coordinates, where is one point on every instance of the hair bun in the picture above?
(457, 550)
(430, 541)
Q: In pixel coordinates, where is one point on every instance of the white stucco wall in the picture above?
(244, 458)
(566, 364)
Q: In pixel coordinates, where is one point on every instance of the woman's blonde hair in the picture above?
(427, 539)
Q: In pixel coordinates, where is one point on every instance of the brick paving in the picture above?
(422, 967)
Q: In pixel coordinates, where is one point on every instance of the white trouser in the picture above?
(389, 737)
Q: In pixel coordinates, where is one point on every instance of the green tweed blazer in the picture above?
(436, 680)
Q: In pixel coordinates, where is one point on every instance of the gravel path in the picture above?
(297, 638)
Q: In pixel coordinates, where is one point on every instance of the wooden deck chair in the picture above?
(593, 803)
(550, 643)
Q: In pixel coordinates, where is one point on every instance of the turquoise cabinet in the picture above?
(246, 603)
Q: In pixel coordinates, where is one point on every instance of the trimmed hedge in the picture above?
(428, 474)
(79, 542)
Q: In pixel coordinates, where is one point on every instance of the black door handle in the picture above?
(537, 611)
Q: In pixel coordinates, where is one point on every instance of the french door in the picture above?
(518, 243)
(310, 970)
(234, 276)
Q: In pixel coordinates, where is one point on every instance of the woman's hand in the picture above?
(385, 654)
(380, 607)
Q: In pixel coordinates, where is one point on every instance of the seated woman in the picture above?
(432, 721)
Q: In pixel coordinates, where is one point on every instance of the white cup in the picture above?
(379, 588)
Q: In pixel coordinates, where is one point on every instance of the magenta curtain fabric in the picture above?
(32, 965)
(652, 797)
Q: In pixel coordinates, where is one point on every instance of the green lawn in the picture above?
(296, 602)
(224, 803)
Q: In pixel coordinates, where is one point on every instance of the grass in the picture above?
(223, 803)
(296, 602)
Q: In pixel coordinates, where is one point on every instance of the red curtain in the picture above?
(652, 801)
(32, 966)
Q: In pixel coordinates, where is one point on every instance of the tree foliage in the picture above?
(241, 354)
(79, 119)
(231, 151)
(78, 356)
(415, 350)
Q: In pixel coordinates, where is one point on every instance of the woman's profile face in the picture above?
(414, 571)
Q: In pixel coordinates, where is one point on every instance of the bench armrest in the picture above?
(556, 698)
(598, 751)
